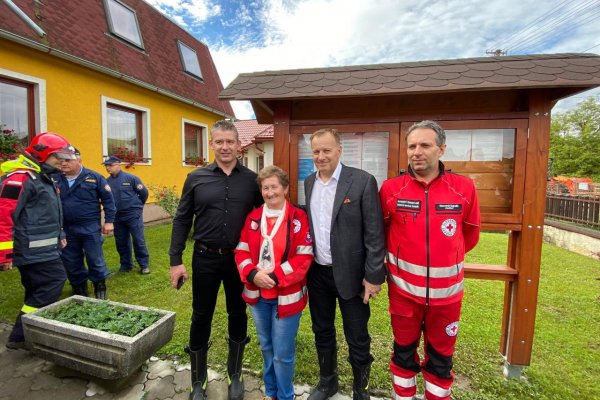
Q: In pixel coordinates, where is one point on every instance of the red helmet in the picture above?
(48, 143)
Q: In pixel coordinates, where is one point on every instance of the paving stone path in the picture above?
(23, 376)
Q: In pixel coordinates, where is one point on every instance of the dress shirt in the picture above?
(217, 204)
(321, 205)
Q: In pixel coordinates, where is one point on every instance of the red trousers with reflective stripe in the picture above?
(440, 329)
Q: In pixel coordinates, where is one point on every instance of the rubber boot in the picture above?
(328, 381)
(198, 361)
(100, 289)
(360, 387)
(234, 369)
(81, 289)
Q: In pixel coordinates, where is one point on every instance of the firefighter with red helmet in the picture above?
(31, 233)
(432, 219)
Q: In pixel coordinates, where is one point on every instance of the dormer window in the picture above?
(189, 60)
(123, 22)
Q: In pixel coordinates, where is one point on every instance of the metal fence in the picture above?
(578, 209)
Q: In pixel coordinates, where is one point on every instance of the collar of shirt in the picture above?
(71, 181)
(214, 166)
(336, 175)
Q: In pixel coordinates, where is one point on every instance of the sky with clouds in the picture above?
(258, 35)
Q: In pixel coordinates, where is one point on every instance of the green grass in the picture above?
(566, 353)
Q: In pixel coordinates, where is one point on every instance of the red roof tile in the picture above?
(532, 71)
(80, 29)
(250, 131)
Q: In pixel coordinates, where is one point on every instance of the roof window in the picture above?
(189, 59)
(123, 22)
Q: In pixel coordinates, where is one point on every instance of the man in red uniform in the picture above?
(432, 220)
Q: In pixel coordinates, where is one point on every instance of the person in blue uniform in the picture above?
(83, 192)
(130, 195)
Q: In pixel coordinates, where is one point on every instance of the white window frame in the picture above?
(204, 140)
(39, 97)
(111, 25)
(146, 131)
(180, 47)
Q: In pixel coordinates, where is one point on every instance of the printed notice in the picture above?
(458, 146)
(487, 145)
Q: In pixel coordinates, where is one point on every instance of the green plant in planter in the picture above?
(104, 317)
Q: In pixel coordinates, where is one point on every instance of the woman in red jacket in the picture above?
(273, 256)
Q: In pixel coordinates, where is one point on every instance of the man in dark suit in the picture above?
(346, 224)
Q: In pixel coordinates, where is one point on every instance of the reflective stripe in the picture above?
(420, 291)
(304, 250)
(436, 390)
(292, 298)
(405, 382)
(14, 183)
(243, 246)
(398, 397)
(251, 294)
(6, 245)
(27, 309)
(287, 268)
(244, 263)
(421, 270)
(42, 243)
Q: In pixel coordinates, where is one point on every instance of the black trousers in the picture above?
(209, 270)
(322, 294)
(43, 283)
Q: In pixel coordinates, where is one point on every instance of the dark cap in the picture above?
(112, 160)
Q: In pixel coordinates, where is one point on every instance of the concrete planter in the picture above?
(93, 352)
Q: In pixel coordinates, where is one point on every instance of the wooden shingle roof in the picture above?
(532, 71)
(78, 31)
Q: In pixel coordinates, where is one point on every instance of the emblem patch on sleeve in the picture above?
(297, 225)
(140, 186)
(449, 227)
(452, 329)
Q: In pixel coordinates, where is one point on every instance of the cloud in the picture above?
(182, 11)
(290, 34)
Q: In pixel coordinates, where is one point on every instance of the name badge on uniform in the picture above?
(405, 204)
(448, 208)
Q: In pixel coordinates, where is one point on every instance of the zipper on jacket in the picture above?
(427, 244)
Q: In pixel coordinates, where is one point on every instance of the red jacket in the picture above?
(429, 229)
(291, 274)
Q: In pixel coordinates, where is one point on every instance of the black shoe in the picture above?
(328, 382)
(16, 345)
(123, 269)
(100, 290)
(198, 360)
(360, 387)
(81, 289)
(235, 391)
(145, 270)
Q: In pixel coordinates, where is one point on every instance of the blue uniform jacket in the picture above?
(129, 192)
(81, 202)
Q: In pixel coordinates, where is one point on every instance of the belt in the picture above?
(216, 250)
(322, 265)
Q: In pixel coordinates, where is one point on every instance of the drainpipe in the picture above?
(25, 18)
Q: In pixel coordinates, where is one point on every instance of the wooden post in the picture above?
(281, 133)
(522, 294)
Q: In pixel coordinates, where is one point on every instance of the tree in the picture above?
(575, 141)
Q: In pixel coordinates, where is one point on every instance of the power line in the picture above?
(555, 23)
(554, 26)
(503, 42)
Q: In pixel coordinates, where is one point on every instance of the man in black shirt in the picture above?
(216, 200)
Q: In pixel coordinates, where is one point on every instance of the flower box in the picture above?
(91, 351)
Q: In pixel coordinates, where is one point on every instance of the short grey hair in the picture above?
(273, 170)
(224, 125)
(440, 134)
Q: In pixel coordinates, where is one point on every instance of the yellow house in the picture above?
(112, 76)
